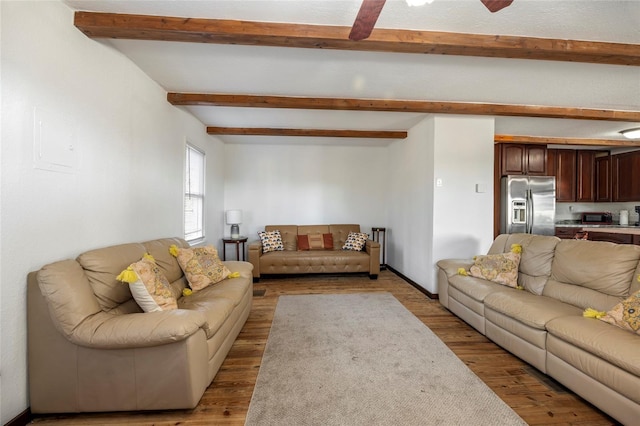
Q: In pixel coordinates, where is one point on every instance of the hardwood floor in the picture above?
(537, 399)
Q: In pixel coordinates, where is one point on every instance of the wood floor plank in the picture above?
(226, 401)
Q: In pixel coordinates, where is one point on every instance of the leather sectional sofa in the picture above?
(291, 260)
(543, 322)
(91, 348)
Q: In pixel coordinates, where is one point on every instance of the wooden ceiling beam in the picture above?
(263, 131)
(396, 105)
(564, 141)
(198, 30)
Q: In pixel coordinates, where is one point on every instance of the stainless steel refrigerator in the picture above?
(528, 205)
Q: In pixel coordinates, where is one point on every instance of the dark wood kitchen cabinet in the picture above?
(523, 159)
(611, 237)
(565, 173)
(625, 174)
(566, 232)
(585, 176)
(603, 178)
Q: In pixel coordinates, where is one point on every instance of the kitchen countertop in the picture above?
(634, 230)
(613, 228)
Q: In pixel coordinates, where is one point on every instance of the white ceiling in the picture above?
(197, 67)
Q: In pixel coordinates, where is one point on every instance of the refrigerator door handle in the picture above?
(529, 212)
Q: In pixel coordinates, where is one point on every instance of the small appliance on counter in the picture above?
(597, 218)
(638, 212)
(624, 217)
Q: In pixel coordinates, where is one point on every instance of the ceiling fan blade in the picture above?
(496, 5)
(366, 19)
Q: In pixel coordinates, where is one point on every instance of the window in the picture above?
(194, 194)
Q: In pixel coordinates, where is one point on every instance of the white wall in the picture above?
(463, 217)
(428, 222)
(410, 230)
(125, 182)
(306, 184)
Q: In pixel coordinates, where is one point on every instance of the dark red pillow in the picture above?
(303, 242)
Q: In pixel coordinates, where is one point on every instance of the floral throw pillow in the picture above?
(201, 265)
(498, 268)
(625, 314)
(149, 287)
(355, 241)
(271, 241)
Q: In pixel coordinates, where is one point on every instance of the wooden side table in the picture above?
(237, 242)
(375, 236)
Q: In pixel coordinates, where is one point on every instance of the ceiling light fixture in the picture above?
(631, 133)
(418, 2)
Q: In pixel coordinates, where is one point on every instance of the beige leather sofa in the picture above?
(544, 324)
(91, 348)
(294, 261)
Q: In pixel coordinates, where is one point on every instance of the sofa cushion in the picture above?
(103, 265)
(592, 274)
(313, 229)
(215, 309)
(601, 266)
(201, 266)
(231, 289)
(625, 314)
(476, 288)
(148, 285)
(530, 309)
(313, 261)
(537, 257)
(167, 263)
(341, 232)
(635, 284)
(355, 241)
(271, 241)
(617, 346)
(288, 234)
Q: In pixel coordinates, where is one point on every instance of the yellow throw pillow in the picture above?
(149, 287)
(201, 266)
(625, 314)
(498, 268)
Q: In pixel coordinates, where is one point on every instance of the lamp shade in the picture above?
(234, 217)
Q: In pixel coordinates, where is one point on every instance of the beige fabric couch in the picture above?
(91, 348)
(293, 261)
(544, 324)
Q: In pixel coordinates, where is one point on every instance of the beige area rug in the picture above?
(364, 359)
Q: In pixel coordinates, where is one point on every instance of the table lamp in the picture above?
(234, 218)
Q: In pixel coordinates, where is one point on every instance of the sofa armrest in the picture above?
(255, 251)
(138, 330)
(451, 266)
(372, 245)
(448, 268)
(373, 249)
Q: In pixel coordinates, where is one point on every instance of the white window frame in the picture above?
(194, 193)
